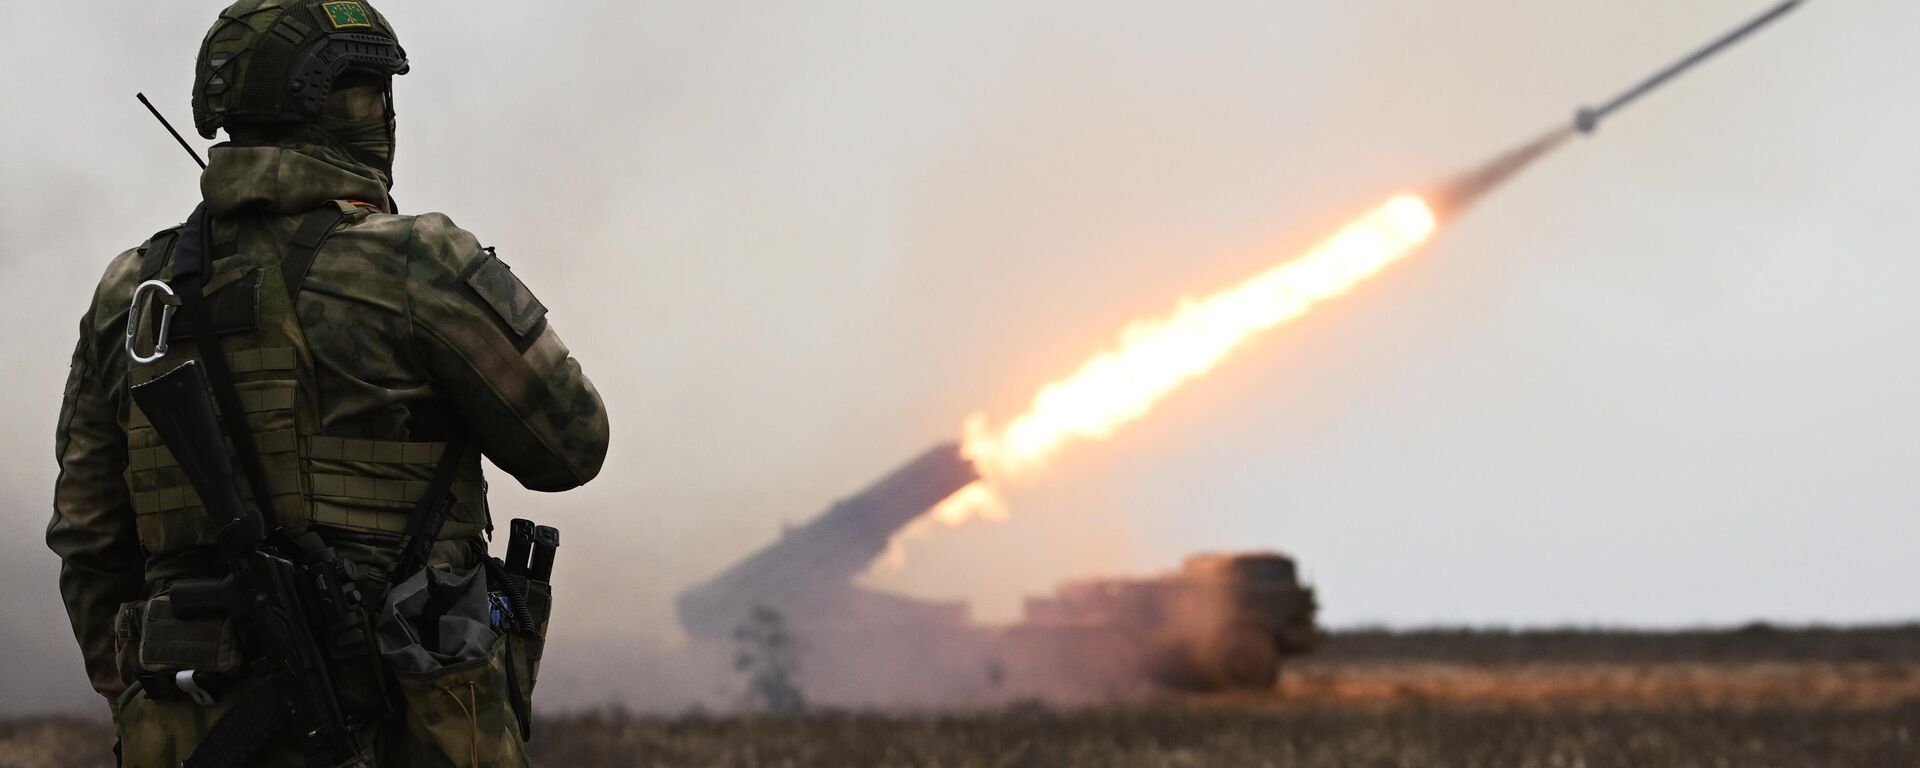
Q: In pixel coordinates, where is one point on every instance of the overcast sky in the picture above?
(1666, 378)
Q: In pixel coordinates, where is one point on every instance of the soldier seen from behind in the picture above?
(305, 580)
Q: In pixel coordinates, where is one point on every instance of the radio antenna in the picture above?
(169, 126)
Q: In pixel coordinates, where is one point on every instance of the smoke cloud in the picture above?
(794, 244)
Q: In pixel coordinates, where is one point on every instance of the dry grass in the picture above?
(1754, 698)
(1216, 736)
(1211, 733)
(1579, 685)
(55, 742)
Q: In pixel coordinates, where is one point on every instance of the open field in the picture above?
(1181, 736)
(1753, 698)
(1806, 669)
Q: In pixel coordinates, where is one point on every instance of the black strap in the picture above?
(191, 267)
(305, 244)
(430, 511)
(242, 730)
(514, 695)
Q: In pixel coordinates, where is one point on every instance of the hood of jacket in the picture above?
(289, 178)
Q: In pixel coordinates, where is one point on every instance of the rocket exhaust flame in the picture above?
(1154, 357)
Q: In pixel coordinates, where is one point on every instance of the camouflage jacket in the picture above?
(398, 316)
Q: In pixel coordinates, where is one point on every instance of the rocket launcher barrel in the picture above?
(820, 559)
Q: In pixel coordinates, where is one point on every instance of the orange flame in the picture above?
(1156, 356)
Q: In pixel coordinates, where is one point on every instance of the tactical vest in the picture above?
(349, 489)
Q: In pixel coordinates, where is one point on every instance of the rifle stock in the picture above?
(177, 405)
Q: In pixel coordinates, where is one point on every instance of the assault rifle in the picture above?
(286, 592)
(280, 600)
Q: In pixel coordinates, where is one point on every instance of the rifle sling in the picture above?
(305, 243)
(191, 268)
(431, 509)
(238, 735)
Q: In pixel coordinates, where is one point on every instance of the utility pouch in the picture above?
(450, 667)
(169, 643)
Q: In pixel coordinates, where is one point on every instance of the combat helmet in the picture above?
(276, 61)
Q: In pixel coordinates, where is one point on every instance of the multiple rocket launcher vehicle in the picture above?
(1223, 621)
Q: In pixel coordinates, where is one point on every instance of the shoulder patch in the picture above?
(347, 15)
(506, 295)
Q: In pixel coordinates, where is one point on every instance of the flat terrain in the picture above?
(1180, 736)
(1756, 697)
(1755, 667)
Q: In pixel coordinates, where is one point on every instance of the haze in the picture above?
(1664, 379)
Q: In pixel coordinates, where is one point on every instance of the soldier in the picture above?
(370, 352)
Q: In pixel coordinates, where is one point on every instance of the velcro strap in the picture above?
(262, 359)
(158, 457)
(183, 496)
(359, 517)
(373, 489)
(323, 448)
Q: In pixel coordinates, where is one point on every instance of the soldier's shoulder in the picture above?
(431, 238)
(114, 293)
(136, 264)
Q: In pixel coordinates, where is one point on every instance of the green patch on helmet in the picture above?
(348, 15)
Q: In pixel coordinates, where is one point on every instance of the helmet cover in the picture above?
(276, 61)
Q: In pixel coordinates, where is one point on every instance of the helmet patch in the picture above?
(347, 15)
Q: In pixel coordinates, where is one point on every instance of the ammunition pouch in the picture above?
(177, 653)
(173, 640)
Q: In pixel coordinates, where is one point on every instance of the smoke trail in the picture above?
(1467, 188)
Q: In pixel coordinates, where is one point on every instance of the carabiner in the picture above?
(160, 333)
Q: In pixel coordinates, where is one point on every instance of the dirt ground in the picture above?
(1750, 698)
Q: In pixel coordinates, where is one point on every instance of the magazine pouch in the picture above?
(526, 634)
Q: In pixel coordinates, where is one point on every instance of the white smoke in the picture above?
(795, 243)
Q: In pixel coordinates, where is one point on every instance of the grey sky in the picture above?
(1665, 378)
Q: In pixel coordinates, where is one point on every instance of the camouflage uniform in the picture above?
(402, 325)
